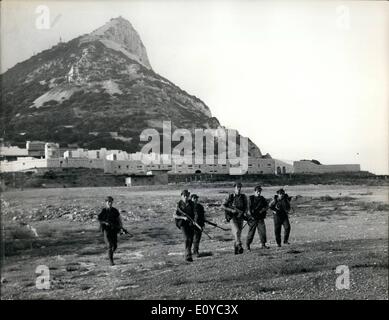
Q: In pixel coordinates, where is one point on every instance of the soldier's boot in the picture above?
(248, 247)
(240, 249)
(188, 255)
(110, 256)
(236, 249)
(196, 250)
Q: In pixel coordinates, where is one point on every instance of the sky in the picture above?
(303, 80)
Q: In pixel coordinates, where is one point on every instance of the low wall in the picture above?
(310, 167)
(22, 165)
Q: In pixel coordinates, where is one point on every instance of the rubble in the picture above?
(70, 212)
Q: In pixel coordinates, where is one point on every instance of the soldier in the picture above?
(256, 220)
(110, 225)
(184, 209)
(281, 207)
(199, 218)
(236, 208)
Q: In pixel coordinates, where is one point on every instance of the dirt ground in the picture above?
(332, 225)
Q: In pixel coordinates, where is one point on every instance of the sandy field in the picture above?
(332, 225)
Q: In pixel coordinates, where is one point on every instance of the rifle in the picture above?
(291, 210)
(251, 217)
(245, 224)
(215, 225)
(263, 210)
(235, 210)
(121, 230)
(193, 222)
(275, 201)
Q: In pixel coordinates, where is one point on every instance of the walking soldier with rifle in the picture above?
(110, 225)
(281, 207)
(236, 208)
(256, 219)
(183, 217)
(199, 218)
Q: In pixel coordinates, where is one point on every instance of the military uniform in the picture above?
(281, 208)
(236, 201)
(199, 218)
(111, 216)
(185, 226)
(257, 208)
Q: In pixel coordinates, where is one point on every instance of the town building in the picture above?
(52, 150)
(12, 152)
(283, 167)
(36, 149)
(218, 166)
(38, 156)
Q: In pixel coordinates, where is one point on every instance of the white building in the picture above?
(254, 166)
(282, 167)
(85, 153)
(22, 164)
(31, 163)
(12, 152)
(117, 155)
(121, 162)
(261, 166)
(124, 167)
(36, 148)
(51, 150)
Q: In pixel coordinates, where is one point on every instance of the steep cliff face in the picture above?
(118, 34)
(97, 90)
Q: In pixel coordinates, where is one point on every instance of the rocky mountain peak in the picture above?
(97, 90)
(118, 34)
